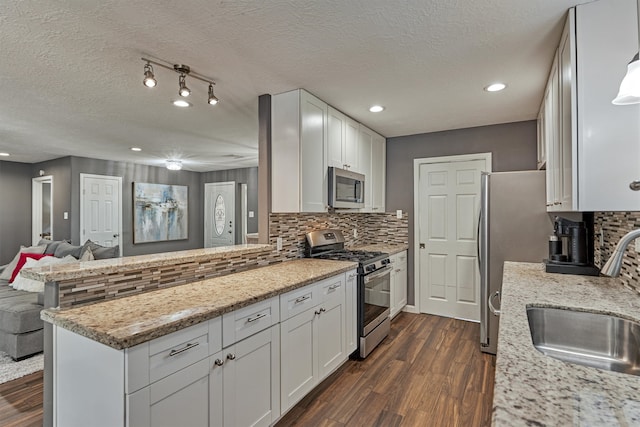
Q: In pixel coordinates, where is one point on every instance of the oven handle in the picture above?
(377, 274)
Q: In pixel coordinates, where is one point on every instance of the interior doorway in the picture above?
(219, 214)
(101, 209)
(42, 208)
(447, 205)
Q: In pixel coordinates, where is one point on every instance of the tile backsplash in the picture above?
(609, 227)
(371, 228)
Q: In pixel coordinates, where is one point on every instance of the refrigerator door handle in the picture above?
(483, 261)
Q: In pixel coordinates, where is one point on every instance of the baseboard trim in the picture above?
(410, 309)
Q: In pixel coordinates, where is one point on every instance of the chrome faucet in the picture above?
(613, 265)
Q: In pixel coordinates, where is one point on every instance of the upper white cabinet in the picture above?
(592, 146)
(342, 145)
(308, 136)
(298, 152)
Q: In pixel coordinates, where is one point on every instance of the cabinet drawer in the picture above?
(242, 323)
(332, 289)
(178, 350)
(298, 300)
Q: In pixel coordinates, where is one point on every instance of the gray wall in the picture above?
(131, 173)
(60, 170)
(247, 176)
(513, 147)
(15, 208)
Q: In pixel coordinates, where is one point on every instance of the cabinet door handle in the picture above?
(322, 310)
(332, 287)
(398, 270)
(219, 362)
(231, 356)
(351, 276)
(189, 346)
(258, 317)
(300, 299)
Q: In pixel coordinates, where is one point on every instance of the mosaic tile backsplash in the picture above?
(609, 227)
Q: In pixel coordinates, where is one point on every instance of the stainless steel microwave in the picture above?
(346, 189)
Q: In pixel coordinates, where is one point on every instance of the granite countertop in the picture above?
(382, 247)
(115, 265)
(534, 389)
(126, 322)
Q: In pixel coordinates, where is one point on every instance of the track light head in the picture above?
(213, 100)
(183, 89)
(149, 79)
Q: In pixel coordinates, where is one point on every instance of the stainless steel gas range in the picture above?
(374, 273)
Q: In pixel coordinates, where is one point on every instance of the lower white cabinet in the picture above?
(313, 343)
(244, 385)
(398, 282)
(351, 280)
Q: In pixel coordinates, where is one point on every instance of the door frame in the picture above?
(36, 207)
(90, 175)
(206, 197)
(416, 209)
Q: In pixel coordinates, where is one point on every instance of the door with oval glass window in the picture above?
(219, 214)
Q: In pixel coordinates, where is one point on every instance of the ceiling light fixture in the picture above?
(495, 87)
(136, 149)
(629, 92)
(149, 79)
(213, 100)
(183, 71)
(181, 103)
(4, 154)
(376, 108)
(174, 165)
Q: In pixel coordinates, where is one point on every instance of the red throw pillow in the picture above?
(22, 261)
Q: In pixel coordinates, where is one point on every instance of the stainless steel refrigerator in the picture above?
(514, 226)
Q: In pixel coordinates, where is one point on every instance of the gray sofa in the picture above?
(21, 332)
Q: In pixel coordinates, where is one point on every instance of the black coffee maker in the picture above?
(569, 249)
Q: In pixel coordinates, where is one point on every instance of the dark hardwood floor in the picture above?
(428, 372)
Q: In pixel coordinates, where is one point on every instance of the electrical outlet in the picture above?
(65, 215)
(601, 238)
(279, 243)
(355, 233)
(399, 214)
(638, 245)
(251, 214)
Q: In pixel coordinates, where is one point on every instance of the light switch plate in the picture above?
(279, 243)
(250, 214)
(638, 245)
(65, 215)
(399, 214)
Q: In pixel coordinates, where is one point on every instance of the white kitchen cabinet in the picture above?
(373, 155)
(245, 381)
(542, 141)
(342, 142)
(351, 288)
(550, 112)
(298, 152)
(313, 342)
(398, 285)
(595, 157)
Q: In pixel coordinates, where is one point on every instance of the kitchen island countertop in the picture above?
(534, 389)
(125, 322)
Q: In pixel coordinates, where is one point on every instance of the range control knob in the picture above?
(370, 267)
(386, 261)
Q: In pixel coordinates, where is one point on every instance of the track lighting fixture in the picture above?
(149, 79)
(213, 100)
(183, 89)
(183, 71)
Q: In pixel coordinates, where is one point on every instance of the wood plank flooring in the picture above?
(428, 372)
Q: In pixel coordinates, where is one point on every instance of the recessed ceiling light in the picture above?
(136, 149)
(376, 108)
(495, 87)
(4, 154)
(181, 103)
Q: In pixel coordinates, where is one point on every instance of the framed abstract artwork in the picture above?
(160, 212)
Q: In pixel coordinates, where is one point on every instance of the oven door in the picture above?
(376, 299)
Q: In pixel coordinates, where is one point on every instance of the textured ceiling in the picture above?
(71, 73)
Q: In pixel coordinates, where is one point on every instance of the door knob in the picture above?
(231, 356)
(634, 185)
(116, 235)
(219, 362)
(422, 246)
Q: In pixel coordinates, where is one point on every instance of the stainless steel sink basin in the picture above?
(589, 339)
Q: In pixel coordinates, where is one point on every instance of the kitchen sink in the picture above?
(590, 339)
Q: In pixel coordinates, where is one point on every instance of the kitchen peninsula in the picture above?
(205, 349)
(534, 389)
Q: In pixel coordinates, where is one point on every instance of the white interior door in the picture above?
(42, 209)
(101, 209)
(449, 202)
(219, 214)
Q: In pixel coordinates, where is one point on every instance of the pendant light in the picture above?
(629, 92)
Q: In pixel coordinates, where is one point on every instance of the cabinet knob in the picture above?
(322, 310)
(634, 185)
(231, 356)
(219, 362)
